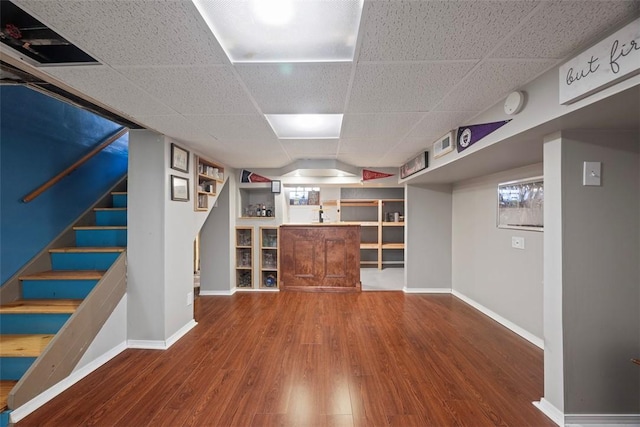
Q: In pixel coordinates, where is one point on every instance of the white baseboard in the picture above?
(217, 293)
(550, 411)
(426, 290)
(162, 344)
(55, 390)
(602, 420)
(538, 342)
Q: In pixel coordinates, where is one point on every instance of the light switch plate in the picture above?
(517, 242)
(190, 298)
(591, 173)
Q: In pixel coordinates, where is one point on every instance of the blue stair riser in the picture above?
(83, 260)
(13, 368)
(57, 289)
(101, 238)
(4, 418)
(29, 323)
(119, 200)
(111, 217)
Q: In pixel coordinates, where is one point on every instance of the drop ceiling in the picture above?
(421, 68)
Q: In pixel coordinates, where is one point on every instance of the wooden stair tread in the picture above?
(65, 275)
(100, 227)
(109, 209)
(41, 306)
(24, 345)
(5, 389)
(88, 249)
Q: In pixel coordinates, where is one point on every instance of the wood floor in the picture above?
(365, 359)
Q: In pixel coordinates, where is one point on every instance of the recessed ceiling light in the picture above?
(305, 126)
(284, 30)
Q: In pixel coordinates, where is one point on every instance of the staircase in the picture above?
(49, 298)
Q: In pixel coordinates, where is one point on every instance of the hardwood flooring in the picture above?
(287, 358)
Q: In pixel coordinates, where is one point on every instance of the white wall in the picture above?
(427, 238)
(485, 267)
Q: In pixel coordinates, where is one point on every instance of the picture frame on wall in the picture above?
(179, 158)
(276, 186)
(179, 188)
(521, 204)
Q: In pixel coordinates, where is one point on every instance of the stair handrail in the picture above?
(104, 144)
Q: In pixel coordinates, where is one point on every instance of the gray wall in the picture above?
(552, 289)
(485, 267)
(145, 246)
(215, 247)
(600, 282)
(427, 238)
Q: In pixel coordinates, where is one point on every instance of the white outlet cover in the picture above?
(517, 242)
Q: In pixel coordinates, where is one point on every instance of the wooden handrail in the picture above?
(44, 187)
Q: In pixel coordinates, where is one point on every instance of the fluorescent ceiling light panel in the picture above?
(305, 126)
(284, 30)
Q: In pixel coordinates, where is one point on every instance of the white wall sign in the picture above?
(613, 59)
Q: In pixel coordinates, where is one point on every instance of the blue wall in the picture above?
(39, 137)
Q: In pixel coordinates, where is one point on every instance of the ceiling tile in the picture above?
(176, 126)
(403, 87)
(297, 88)
(297, 147)
(361, 160)
(365, 146)
(254, 154)
(234, 127)
(193, 90)
(490, 82)
(435, 124)
(386, 125)
(443, 30)
(561, 27)
(133, 32)
(110, 88)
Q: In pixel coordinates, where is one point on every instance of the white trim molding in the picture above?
(426, 290)
(538, 342)
(547, 408)
(162, 344)
(217, 293)
(602, 420)
(58, 388)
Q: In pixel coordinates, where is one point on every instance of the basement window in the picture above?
(28, 36)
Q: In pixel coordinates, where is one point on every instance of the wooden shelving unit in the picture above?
(382, 236)
(208, 175)
(244, 257)
(269, 257)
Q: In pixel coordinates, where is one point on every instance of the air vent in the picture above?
(30, 37)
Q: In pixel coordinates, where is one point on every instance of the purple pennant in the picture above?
(469, 135)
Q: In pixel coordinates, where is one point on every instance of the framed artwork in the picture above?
(414, 165)
(521, 203)
(276, 186)
(179, 159)
(179, 188)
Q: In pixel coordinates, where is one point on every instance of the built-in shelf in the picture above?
(244, 257)
(208, 175)
(269, 259)
(382, 222)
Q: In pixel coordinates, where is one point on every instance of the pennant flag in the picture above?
(469, 135)
(248, 176)
(369, 174)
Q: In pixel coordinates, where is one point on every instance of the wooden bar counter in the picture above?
(320, 257)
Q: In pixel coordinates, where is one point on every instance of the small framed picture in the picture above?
(179, 188)
(276, 187)
(179, 159)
